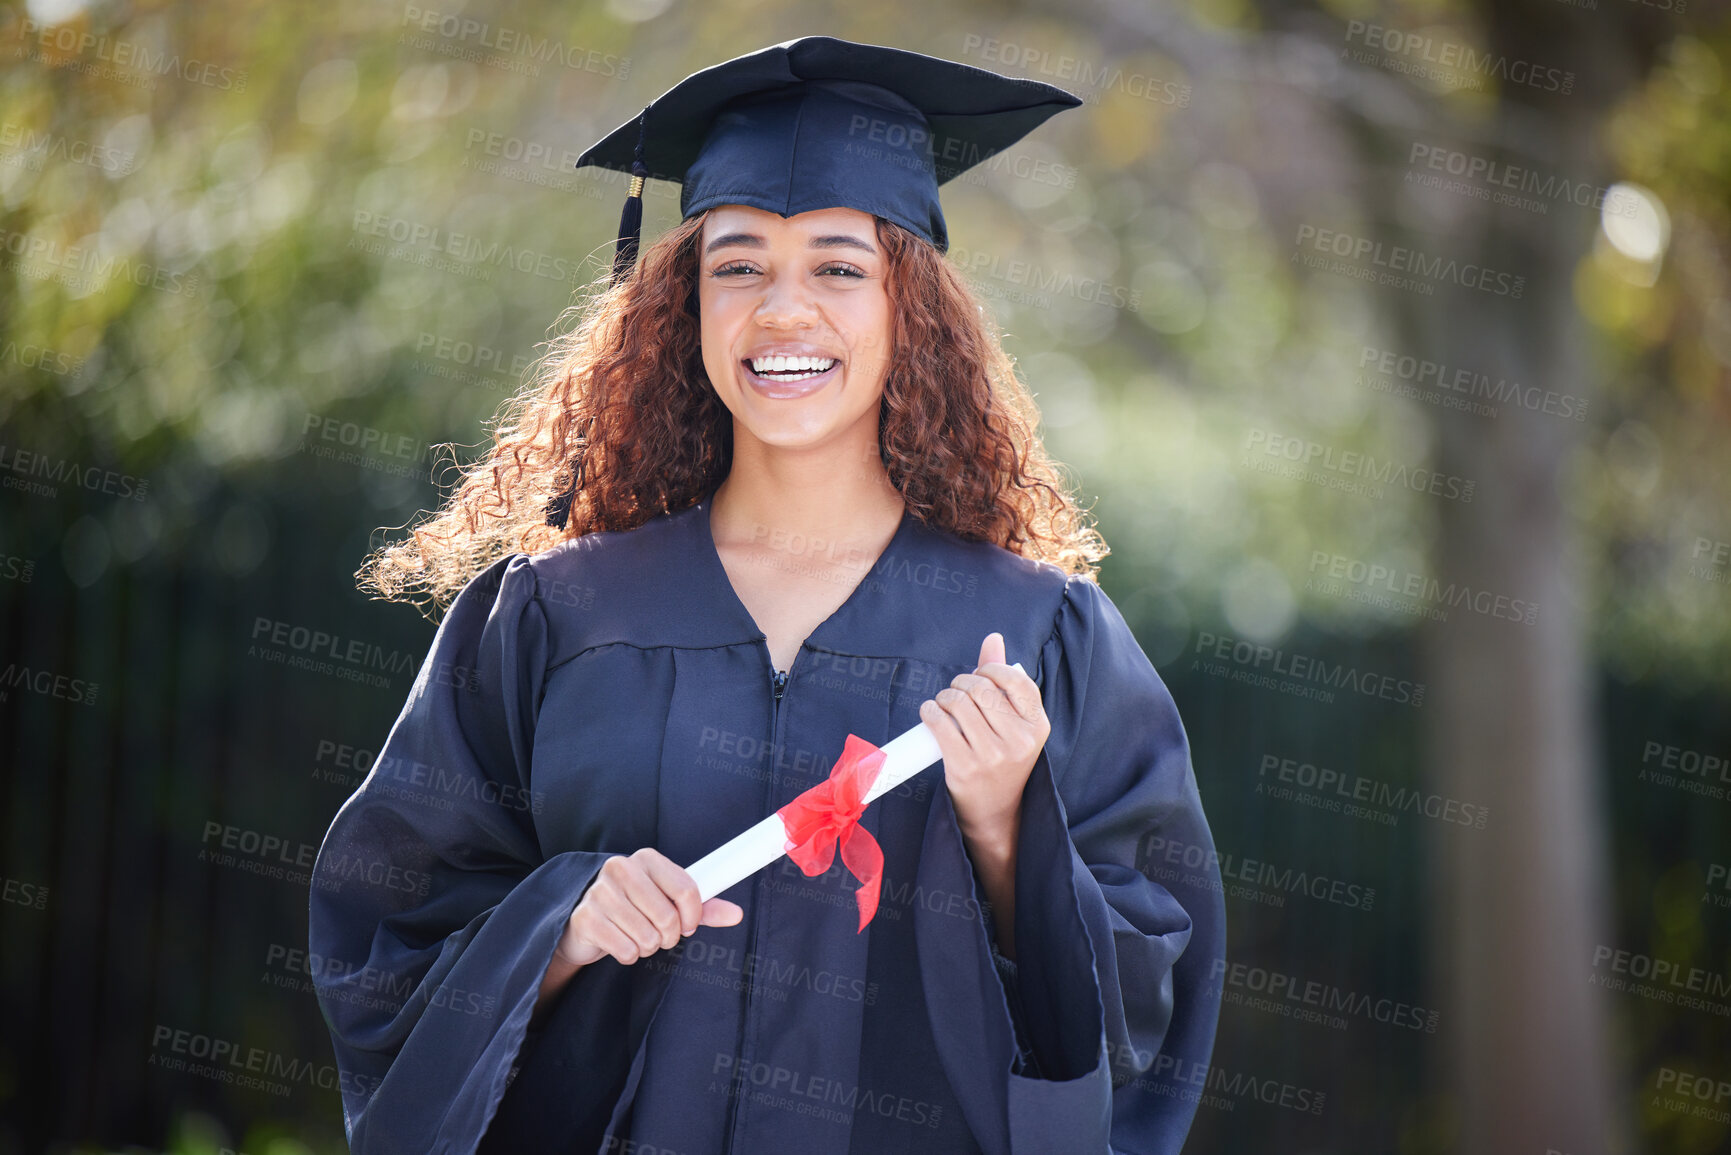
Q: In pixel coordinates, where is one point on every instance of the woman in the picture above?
(797, 495)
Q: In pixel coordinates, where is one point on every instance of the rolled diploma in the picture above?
(744, 855)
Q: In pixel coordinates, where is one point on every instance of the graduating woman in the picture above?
(780, 487)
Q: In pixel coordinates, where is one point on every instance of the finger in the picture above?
(678, 885)
(618, 906)
(999, 714)
(1022, 691)
(951, 738)
(610, 940)
(960, 705)
(720, 912)
(574, 946)
(992, 649)
(646, 895)
(596, 934)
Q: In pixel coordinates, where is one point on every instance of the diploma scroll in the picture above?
(744, 855)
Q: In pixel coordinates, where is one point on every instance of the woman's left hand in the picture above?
(990, 726)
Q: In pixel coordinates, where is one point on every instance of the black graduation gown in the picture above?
(614, 693)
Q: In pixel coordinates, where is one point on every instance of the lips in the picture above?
(803, 382)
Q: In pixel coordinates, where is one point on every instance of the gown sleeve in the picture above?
(1112, 992)
(433, 913)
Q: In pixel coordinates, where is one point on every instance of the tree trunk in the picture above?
(1518, 907)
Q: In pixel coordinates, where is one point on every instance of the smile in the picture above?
(787, 377)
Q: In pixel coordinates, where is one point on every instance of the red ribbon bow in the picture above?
(830, 812)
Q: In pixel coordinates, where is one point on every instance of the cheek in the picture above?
(871, 324)
(714, 333)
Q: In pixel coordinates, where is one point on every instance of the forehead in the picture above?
(773, 226)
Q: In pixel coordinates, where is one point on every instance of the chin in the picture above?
(785, 438)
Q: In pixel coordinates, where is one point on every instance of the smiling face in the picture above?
(795, 319)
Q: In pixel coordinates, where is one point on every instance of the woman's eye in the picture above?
(740, 268)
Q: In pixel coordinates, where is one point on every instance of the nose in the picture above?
(786, 303)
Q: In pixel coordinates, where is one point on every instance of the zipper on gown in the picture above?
(778, 684)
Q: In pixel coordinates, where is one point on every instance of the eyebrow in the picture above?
(754, 241)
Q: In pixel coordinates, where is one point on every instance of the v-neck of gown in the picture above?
(837, 617)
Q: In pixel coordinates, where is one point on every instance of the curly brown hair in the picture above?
(621, 421)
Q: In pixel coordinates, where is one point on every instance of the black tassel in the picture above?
(631, 216)
(630, 227)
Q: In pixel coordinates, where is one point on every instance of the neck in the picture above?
(840, 495)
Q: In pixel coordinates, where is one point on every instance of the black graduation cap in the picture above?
(818, 123)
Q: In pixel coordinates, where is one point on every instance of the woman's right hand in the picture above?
(638, 904)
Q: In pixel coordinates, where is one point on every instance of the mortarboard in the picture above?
(818, 123)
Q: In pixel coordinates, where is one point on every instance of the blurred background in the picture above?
(1390, 343)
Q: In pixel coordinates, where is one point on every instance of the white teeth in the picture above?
(806, 365)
